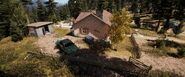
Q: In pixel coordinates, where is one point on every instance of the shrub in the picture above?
(160, 43)
(100, 45)
(181, 52)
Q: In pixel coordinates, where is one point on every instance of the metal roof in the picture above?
(39, 24)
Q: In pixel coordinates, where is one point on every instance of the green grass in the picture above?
(23, 59)
(60, 32)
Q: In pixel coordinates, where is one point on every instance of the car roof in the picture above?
(66, 41)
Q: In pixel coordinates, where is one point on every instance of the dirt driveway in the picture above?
(47, 43)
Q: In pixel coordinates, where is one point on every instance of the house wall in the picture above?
(32, 32)
(50, 28)
(39, 31)
(93, 25)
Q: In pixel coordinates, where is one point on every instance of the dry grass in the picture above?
(16, 61)
(159, 73)
(60, 32)
(123, 49)
(147, 32)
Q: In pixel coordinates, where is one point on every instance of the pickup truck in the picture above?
(66, 46)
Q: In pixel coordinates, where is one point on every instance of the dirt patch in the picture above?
(47, 43)
(164, 63)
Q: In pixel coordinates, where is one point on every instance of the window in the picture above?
(85, 30)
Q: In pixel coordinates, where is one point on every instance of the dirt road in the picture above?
(47, 43)
(164, 63)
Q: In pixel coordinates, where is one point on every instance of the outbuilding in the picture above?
(40, 28)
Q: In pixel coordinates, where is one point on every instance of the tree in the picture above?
(164, 9)
(134, 7)
(121, 25)
(51, 10)
(102, 4)
(64, 12)
(41, 11)
(111, 6)
(27, 6)
(74, 7)
(4, 16)
(18, 22)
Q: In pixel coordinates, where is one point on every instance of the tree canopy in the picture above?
(120, 25)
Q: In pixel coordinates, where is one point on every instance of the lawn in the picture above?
(60, 32)
(23, 59)
(123, 49)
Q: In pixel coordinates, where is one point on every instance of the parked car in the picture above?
(89, 40)
(66, 46)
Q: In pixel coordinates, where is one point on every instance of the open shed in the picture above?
(40, 28)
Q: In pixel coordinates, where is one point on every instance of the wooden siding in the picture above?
(94, 26)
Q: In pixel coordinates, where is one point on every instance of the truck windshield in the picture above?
(68, 44)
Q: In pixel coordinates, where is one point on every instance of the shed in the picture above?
(40, 28)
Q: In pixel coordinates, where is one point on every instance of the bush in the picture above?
(100, 45)
(181, 52)
(16, 37)
(160, 43)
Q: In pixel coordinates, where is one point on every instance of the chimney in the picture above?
(99, 13)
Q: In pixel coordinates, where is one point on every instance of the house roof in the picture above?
(39, 24)
(105, 18)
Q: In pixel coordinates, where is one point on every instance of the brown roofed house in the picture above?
(94, 23)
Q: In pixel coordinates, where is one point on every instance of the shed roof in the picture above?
(39, 24)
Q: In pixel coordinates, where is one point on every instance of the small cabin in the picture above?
(40, 28)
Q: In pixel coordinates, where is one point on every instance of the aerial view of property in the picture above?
(92, 38)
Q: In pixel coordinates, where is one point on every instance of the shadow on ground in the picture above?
(3, 74)
(91, 63)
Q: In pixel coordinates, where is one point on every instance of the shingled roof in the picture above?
(105, 18)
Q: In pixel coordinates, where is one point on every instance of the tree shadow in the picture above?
(91, 63)
(159, 73)
(3, 74)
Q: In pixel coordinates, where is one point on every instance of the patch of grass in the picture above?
(123, 49)
(60, 32)
(147, 32)
(23, 59)
(164, 48)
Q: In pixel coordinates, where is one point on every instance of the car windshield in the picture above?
(68, 44)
